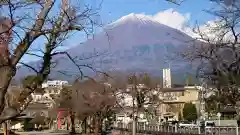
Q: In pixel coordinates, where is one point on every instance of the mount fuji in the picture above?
(133, 43)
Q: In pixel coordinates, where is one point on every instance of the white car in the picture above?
(17, 126)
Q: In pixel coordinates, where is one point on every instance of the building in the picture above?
(54, 83)
(174, 100)
(44, 97)
(42, 101)
(48, 90)
(126, 100)
(167, 81)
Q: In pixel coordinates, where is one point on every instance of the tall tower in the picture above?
(167, 83)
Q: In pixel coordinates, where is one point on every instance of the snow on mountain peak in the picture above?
(134, 18)
(165, 18)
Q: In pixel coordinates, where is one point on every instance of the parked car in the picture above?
(209, 125)
(17, 127)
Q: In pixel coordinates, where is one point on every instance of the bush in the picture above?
(189, 112)
(28, 126)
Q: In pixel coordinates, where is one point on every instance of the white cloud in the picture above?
(180, 21)
(173, 19)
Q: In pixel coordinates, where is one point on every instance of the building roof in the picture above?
(173, 102)
(38, 120)
(228, 110)
(180, 89)
(37, 106)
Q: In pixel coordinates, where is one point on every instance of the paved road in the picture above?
(42, 133)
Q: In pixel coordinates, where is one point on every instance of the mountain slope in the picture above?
(132, 43)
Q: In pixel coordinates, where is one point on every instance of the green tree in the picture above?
(189, 112)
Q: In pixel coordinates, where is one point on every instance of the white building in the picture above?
(125, 97)
(125, 100)
(54, 83)
(49, 88)
(167, 83)
(41, 98)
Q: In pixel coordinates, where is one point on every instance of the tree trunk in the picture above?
(50, 124)
(96, 125)
(5, 78)
(89, 124)
(5, 128)
(93, 124)
(84, 125)
(72, 123)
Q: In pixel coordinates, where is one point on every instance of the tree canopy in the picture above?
(190, 112)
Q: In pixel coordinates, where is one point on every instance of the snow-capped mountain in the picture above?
(132, 43)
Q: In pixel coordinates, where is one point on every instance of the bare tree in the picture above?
(65, 101)
(88, 100)
(21, 30)
(95, 100)
(225, 2)
(144, 95)
(218, 52)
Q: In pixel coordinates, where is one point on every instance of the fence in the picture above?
(174, 129)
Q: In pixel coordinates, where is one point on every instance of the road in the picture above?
(42, 133)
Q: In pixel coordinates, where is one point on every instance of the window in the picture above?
(182, 93)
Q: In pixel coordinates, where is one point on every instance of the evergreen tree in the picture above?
(189, 112)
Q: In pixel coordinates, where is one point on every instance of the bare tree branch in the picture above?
(55, 28)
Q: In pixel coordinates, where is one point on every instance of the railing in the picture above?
(222, 130)
(143, 128)
(174, 129)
